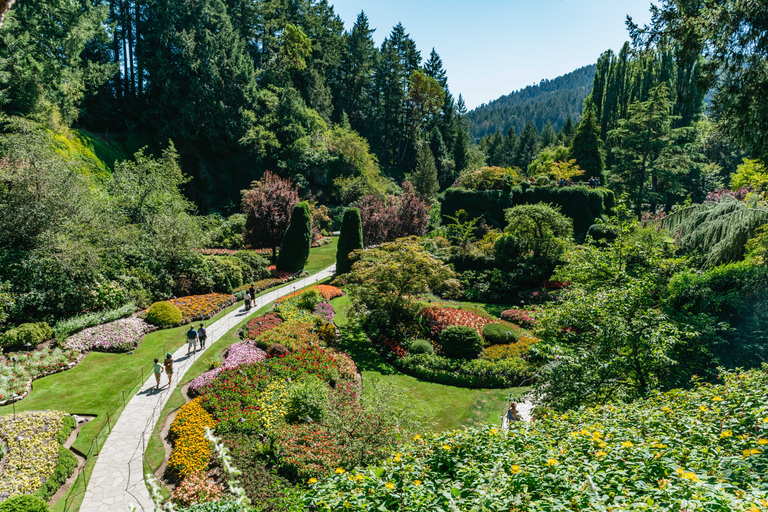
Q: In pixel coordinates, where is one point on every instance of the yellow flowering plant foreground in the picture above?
(704, 449)
(33, 450)
(191, 451)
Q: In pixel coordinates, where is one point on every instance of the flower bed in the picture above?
(261, 285)
(197, 488)
(520, 317)
(325, 311)
(237, 354)
(328, 292)
(293, 335)
(16, 376)
(510, 351)
(307, 451)
(65, 328)
(261, 324)
(32, 439)
(202, 307)
(705, 449)
(290, 311)
(118, 336)
(191, 450)
(438, 318)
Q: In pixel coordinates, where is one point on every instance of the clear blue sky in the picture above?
(493, 47)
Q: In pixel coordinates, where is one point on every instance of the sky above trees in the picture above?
(492, 47)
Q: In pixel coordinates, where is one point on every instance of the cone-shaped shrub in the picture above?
(351, 239)
(296, 241)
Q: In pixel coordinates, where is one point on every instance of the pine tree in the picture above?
(350, 239)
(461, 151)
(528, 146)
(357, 68)
(586, 147)
(439, 152)
(548, 136)
(434, 68)
(297, 240)
(424, 176)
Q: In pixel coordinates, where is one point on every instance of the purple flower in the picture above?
(118, 336)
(325, 311)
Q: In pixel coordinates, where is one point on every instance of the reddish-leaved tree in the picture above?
(394, 218)
(412, 213)
(268, 205)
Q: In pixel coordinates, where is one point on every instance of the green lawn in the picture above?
(438, 406)
(321, 257)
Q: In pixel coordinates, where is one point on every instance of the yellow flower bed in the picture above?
(191, 450)
(271, 406)
(33, 450)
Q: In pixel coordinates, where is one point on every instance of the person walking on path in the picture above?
(247, 301)
(202, 336)
(252, 292)
(157, 368)
(168, 363)
(191, 340)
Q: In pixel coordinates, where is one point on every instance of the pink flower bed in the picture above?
(519, 316)
(438, 318)
(118, 336)
(237, 354)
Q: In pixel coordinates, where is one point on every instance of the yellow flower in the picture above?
(680, 471)
(397, 458)
(762, 441)
(515, 469)
(703, 409)
(658, 445)
(312, 481)
(602, 444)
(551, 462)
(717, 399)
(389, 485)
(627, 444)
(690, 476)
(416, 437)
(564, 417)
(751, 451)
(726, 433)
(340, 470)
(666, 409)
(446, 447)
(417, 482)
(493, 431)
(601, 454)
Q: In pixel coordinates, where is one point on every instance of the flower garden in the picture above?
(19, 370)
(201, 307)
(118, 336)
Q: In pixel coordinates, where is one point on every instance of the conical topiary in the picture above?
(297, 240)
(351, 239)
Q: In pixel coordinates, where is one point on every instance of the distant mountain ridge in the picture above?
(550, 100)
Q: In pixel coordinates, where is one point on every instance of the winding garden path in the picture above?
(118, 475)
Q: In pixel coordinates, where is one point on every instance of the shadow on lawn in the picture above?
(357, 345)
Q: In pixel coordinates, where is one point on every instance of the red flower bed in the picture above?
(328, 292)
(438, 318)
(392, 347)
(261, 324)
(307, 451)
(520, 317)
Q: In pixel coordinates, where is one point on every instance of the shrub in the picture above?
(197, 488)
(421, 347)
(297, 240)
(164, 314)
(474, 373)
(461, 342)
(308, 397)
(327, 291)
(24, 503)
(32, 333)
(309, 299)
(191, 450)
(277, 350)
(500, 334)
(509, 351)
(350, 239)
(326, 331)
(65, 467)
(437, 318)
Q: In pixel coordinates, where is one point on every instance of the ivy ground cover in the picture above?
(703, 449)
(118, 336)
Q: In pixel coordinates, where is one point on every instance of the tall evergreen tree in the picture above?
(297, 240)
(528, 146)
(357, 68)
(548, 136)
(586, 147)
(350, 239)
(461, 151)
(439, 152)
(434, 68)
(424, 176)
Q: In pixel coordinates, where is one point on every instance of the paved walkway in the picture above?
(118, 476)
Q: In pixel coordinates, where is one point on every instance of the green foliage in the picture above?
(31, 333)
(24, 503)
(472, 373)
(671, 451)
(65, 467)
(460, 342)
(164, 314)
(489, 178)
(350, 240)
(586, 147)
(421, 347)
(424, 176)
(499, 334)
(297, 240)
(751, 173)
(308, 398)
(308, 299)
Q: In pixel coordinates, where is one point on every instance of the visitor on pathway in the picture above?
(512, 414)
(157, 368)
(168, 367)
(247, 301)
(252, 292)
(202, 335)
(191, 340)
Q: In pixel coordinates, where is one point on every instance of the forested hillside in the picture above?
(551, 101)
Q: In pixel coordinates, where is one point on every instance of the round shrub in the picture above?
(277, 350)
(308, 398)
(309, 299)
(460, 342)
(24, 503)
(499, 334)
(421, 347)
(164, 314)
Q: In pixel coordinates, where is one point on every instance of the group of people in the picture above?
(250, 295)
(593, 182)
(193, 337)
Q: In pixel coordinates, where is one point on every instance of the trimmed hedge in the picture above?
(421, 347)
(461, 342)
(32, 333)
(24, 503)
(297, 240)
(475, 373)
(581, 204)
(350, 239)
(499, 334)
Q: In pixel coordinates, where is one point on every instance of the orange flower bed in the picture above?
(438, 318)
(198, 307)
(328, 292)
(191, 450)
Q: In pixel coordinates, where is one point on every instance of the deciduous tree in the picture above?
(268, 205)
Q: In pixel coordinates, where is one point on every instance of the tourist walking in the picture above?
(252, 292)
(158, 369)
(247, 301)
(168, 363)
(202, 335)
(191, 340)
